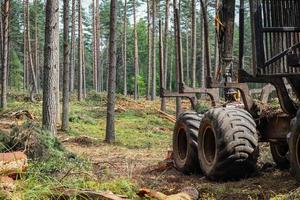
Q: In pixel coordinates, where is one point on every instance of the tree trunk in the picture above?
(95, 70)
(165, 52)
(136, 55)
(5, 18)
(25, 60)
(125, 49)
(66, 70)
(83, 66)
(73, 47)
(149, 71)
(178, 99)
(194, 43)
(153, 93)
(1, 36)
(36, 49)
(207, 61)
(98, 44)
(79, 71)
(187, 57)
(29, 53)
(51, 66)
(111, 93)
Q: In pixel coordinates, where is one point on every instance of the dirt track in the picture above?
(268, 182)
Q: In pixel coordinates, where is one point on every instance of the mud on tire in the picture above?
(227, 144)
(185, 142)
(294, 147)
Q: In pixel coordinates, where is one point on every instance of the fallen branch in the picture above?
(21, 113)
(188, 193)
(165, 115)
(63, 193)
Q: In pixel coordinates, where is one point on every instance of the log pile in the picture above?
(12, 164)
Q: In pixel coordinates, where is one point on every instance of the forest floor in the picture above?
(143, 141)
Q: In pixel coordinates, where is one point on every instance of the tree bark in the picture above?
(125, 49)
(25, 60)
(51, 66)
(79, 71)
(149, 70)
(83, 65)
(36, 49)
(136, 55)
(73, 47)
(95, 70)
(66, 70)
(29, 53)
(194, 43)
(165, 52)
(206, 54)
(178, 99)
(5, 18)
(153, 93)
(187, 57)
(98, 44)
(111, 93)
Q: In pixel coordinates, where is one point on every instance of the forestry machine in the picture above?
(223, 141)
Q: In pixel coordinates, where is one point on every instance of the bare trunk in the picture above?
(125, 49)
(95, 70)
(178, 99)
(149, 71)
(36, 50)
(136, 55)
(79, 71)
(29, 53)
(111, 93)
(25, 60)
(187, 57)
(207, 62)
(83, 66)
(153, 93)
(194, 43)
(165, 52)
(5, 18)
(51, 66)
(66, 70)
(98, 44)
(73, 46)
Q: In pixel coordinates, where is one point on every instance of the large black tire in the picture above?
(227, 144)
(279, 152)
(185, 142)
(294, 147)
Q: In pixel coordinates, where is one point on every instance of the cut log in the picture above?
(188, 193)
(12, 164)
(63, 193)
(7, 183)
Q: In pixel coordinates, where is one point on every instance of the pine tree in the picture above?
(51, 55)
(66, 69)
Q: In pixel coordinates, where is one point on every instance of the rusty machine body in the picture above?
(224, 140)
